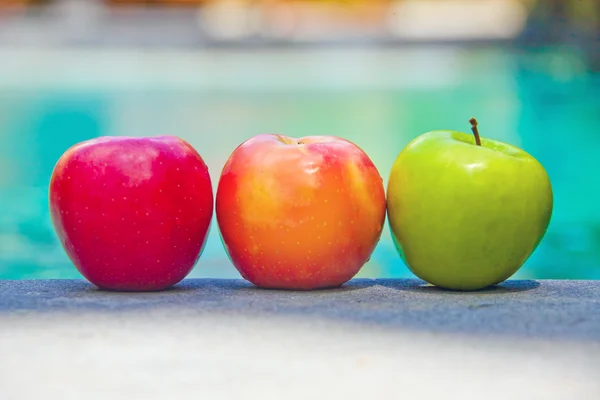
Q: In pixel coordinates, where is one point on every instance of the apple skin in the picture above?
(299, 214)
(463, 216)
(133, 214)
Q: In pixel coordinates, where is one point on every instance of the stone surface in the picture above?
(543, 309)
(369, 339)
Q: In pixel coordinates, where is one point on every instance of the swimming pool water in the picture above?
(380, 99)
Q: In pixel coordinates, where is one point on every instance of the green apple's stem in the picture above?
(473, 122)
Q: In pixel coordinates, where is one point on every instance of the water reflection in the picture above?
(551, 114)
(558, 123)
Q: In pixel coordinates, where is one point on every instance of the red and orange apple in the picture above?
(299, 213)
(132, 213)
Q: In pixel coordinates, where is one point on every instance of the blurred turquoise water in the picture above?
(542, 101)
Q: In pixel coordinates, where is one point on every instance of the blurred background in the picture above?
(377, 72)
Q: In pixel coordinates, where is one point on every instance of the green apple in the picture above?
(466, 213)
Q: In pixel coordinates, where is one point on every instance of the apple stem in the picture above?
(473, 122)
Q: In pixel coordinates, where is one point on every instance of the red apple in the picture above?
(299, 213)
(133, 214)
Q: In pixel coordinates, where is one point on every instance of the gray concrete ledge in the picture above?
(221, 339)
(545, 309)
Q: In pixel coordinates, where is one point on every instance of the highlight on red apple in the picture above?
(133, 214)
(299, 213)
